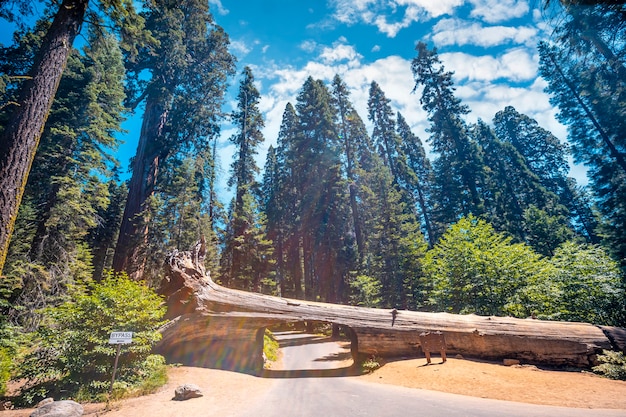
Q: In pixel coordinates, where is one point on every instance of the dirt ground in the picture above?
(528, 384)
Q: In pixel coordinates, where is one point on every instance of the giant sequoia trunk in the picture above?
(218, 327)
(20, 138)
(129, 251)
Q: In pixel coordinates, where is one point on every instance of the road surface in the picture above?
(311, 385)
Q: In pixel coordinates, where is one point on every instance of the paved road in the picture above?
(311, 386)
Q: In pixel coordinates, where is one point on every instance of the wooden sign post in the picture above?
(119, 339)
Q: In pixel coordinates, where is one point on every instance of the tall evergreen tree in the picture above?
(395, 244)
(511, 187)
(249, 123)
(282, 201)
(322, 206)
(22, 132)
(66, 192)
(183, 94)
(356, 146)
(591, 103)
(384, 133)
(458, 167)
(419, 174)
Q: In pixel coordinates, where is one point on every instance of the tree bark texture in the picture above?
(129, 256)
(219, 327)
(20, 139)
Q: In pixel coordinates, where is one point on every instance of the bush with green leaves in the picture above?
(584, 285)
(72, 354)
(474, 269)
(612, 365)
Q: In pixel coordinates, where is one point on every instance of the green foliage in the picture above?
(612, 365)
(72, 353)
(270, 347)
(545, 232)
(5, 369)
(473, 269)
(584, 285)
(371, 364)
(365, 291)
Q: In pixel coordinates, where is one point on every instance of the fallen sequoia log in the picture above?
(213, 326)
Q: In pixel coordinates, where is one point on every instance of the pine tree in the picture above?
(323, 205)
(384, 134)
(20, 137)
(282, 202)
(458, 167)
(67, 189)
(188, 76)
(357, 147)
(244, 225)
(395, 244)
(419, 174)
(511, 187)
(591, 104)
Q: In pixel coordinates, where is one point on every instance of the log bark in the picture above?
(219, 327)
(20, 138)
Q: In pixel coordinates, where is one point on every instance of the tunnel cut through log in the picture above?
(210, 325)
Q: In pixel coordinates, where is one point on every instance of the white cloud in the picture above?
(340, 52)
(515, 65)
(390, 16)
(460, 32)
(493, 11)
(220, 8)
(308, 46)
(240, 48)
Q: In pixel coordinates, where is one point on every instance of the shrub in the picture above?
(270, 346)
(5, 369)
(72, 354)
(371, 364)
(612, 365)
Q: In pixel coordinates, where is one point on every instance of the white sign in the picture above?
(120, 338)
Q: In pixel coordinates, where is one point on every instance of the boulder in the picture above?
(187, 392)
(64, 408)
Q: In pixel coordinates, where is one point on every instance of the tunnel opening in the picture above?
(310, 346)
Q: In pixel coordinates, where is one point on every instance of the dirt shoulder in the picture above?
(520, 383)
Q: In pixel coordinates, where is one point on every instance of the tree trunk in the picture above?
(20, 139)
(129, 256)
(218, 327)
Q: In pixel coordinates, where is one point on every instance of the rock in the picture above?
(65, 408)
(459, 356)
(510, 362)
(186, 392)
(44, 402)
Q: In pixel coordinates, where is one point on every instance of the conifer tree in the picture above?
(188, 76)
(384, 133)
(317, 174)
(419, 174)
(67, 191)
(511, 187)
(282, 202)
(356, 146)
(591, 104)
(458, 166)
(22, 132)
(245, 227)
(395, 244)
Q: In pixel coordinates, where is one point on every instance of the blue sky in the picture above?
(490, 45)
